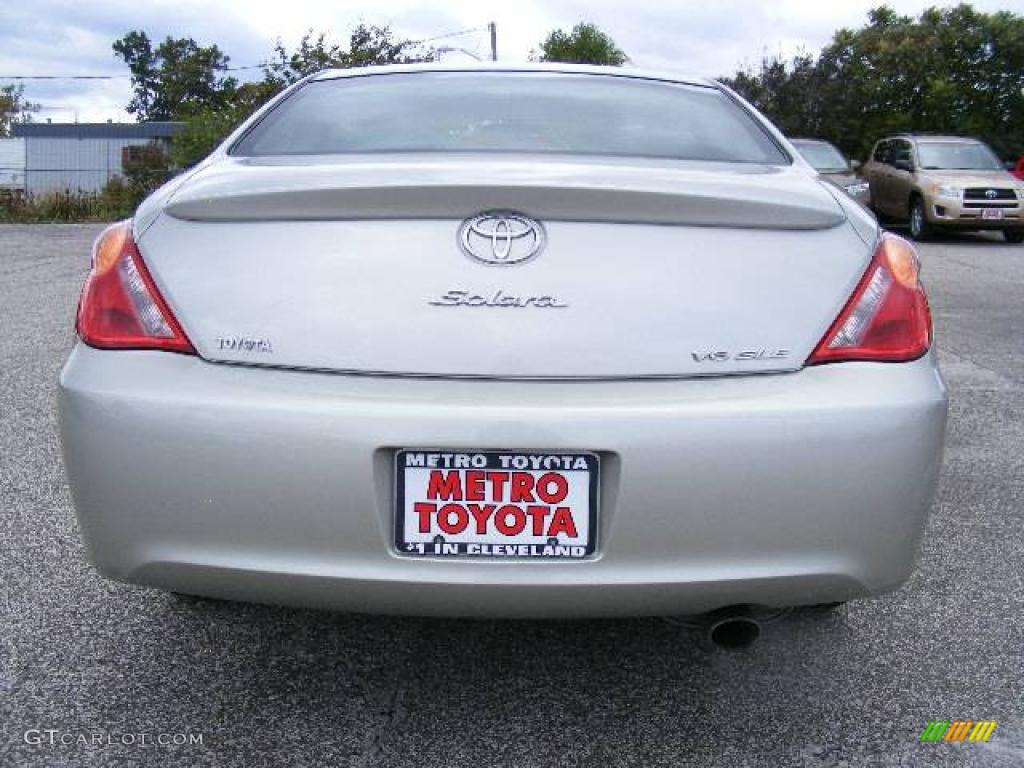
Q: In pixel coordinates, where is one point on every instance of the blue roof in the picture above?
(154, 130)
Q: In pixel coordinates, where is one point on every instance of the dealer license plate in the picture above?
(496, 504)
(991, 213)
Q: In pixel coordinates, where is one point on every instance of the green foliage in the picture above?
(176, 78)
(63, 206)
(951, 70)
(14, 108)
(145, 168)
(119, 199)
(782, 90)
(585, 44)
(368, 45)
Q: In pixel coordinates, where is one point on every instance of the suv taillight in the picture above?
(121, 307)
(887, 318)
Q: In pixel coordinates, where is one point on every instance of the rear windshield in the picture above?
(511, 112)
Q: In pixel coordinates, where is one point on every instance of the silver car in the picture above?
(541, 340)
(835, 167)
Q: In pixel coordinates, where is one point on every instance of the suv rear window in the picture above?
(534, 112)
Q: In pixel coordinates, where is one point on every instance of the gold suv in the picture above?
(944, 182)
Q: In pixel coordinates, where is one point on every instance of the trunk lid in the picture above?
(649, 269)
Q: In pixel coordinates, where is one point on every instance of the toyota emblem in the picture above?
(501, 238)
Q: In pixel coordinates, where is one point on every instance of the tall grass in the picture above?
(117, 200)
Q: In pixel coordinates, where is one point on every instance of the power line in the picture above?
(445, 35)
(63, 77)
(110, 77)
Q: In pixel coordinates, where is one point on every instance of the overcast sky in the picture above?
(48, 37)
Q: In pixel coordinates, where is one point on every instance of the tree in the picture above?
(372, 46)
(14, 108)
(585, 44)
(177, 78)
(951, 70)
(789, 91)
(367, 46)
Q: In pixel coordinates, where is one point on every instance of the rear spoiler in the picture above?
(710, 194)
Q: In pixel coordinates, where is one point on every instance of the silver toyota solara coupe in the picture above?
(538, 340)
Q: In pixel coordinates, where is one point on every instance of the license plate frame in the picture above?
(992, 214)
(583, 479)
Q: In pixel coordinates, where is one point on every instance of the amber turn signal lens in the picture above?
(109, 245)
(903, 262)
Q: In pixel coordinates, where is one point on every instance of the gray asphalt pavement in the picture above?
(273, 686)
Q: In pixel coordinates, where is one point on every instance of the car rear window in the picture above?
(512, 112)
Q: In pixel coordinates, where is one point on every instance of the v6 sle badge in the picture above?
(724, 356)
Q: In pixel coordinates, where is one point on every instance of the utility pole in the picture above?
(494, 40)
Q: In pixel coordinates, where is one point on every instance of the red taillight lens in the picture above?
(121, 307)
(887, 318)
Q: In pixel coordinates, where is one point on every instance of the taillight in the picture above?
(887, 318)
(121, 307)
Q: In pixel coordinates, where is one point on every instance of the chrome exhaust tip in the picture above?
(731, 629)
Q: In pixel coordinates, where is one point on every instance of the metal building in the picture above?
(12, 164)
(82, 156)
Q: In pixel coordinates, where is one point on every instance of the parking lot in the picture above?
(266, 685)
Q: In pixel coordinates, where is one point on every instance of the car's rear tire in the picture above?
(919, 229)
(1014, 235)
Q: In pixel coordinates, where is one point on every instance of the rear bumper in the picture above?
(276, 485)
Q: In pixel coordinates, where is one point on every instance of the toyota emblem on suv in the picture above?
(501, 238)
